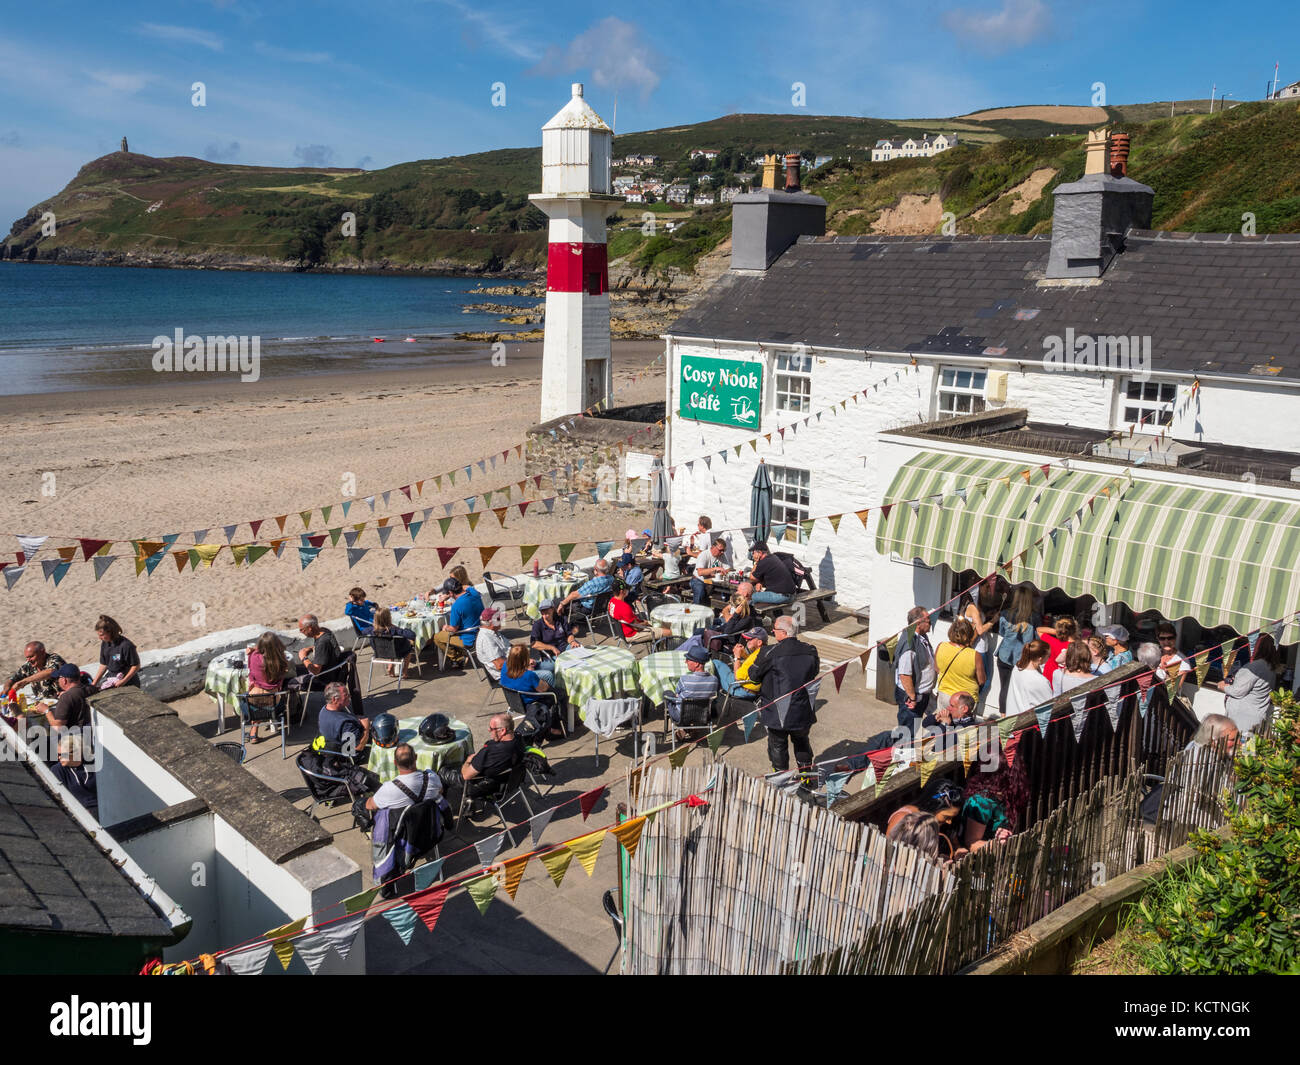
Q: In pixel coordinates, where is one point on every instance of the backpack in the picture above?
(799, 573)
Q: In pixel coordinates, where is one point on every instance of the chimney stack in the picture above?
(792, 173)
(769, 171)
(1090, 216)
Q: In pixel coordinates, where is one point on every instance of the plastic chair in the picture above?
(515, 701)
(276, 711)
(493, 682)
(362, 632)
(236, 751)
(599, 606)
(327, 786)
(696, 715)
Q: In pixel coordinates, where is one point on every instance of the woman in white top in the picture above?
(1076, 668)
(1248, 696)
(1029, 688)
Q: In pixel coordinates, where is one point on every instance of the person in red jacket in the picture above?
(1057, 637)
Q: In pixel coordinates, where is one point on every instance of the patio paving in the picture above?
(545, 929)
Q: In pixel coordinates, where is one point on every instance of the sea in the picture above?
(69, 328)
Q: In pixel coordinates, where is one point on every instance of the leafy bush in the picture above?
(1238, 911)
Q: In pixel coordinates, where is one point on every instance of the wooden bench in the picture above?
(817, 597)
(660, 585)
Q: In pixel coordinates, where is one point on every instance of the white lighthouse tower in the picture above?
(575, 196)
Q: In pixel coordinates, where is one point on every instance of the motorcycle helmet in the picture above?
(436, 728)
(383, 729)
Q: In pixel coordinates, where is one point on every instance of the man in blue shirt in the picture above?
(585, 594)
(461, 628)
(343, 731)
(696, 683)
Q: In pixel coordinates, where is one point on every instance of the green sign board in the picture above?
(722, 391)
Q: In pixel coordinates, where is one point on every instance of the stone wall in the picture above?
(594, 452)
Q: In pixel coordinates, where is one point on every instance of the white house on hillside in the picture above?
(912, 147)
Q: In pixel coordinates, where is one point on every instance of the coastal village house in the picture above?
(704, 199)
(1287, 92)
(677, 193)
(707, 153)
(1112, 411)
(912, 147)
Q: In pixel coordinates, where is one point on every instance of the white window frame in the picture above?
(954, 389)
(791, 367)
(1142, 406)
(791, 498)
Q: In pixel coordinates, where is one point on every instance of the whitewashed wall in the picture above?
(1244, 415)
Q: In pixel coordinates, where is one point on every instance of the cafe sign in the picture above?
(722, 391)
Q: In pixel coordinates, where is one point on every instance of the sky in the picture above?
(343, 83)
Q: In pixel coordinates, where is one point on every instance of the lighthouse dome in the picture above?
(576, 147)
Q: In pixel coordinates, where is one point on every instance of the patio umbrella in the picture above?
(760, 503)
(662, 527)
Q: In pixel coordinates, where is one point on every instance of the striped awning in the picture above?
(1219, 557)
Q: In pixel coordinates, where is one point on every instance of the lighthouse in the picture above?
(575, 196)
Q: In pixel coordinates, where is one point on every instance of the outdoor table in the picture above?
(682, 618)
(422, 618)
(658, 674)
(427, 755)
(227, 679)
(603, 673)
(549, 586)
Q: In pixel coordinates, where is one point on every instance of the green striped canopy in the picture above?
(1219, 557)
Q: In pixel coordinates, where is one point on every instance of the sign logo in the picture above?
(721, 391)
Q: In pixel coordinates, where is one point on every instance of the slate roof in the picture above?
(52, 875)
(1213, 304)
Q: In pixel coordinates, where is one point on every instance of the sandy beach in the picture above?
(196, 453)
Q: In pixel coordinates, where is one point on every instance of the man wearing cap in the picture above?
(72, 710)
(461, 627)
(773, 581)
(1116, 637)
(631, 575)
(734, 678)
(491, 647)
(713, 563)
(696, 683)
(551, 634)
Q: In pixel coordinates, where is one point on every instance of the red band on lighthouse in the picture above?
(577, 267)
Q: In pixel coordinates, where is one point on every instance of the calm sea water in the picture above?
(72, 327)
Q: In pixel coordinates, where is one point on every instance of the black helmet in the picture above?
(436, 728)
(384, 730)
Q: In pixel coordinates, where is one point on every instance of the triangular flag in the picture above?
(679, 756)
(834, 519)
(347, 505)
(485, 555)
(100, 562)
(384, 532)
(587, 801)
(482, 890)
(444, 524)
(490, 847)
(807, 526)
(714, 740)
(629, 834)
(240, 552)
(325, 514)
(399, 553)
(338, 935)
(249, 961)
(280, 520)
(539, 822)
(257, 551)
(66, 553)
(749, 721)
(181, 557)
(526, 551)
(307, 555)
(837, 674)
(557, 863)
(415, 528)
(523, 507)
(427, 873)
(587, 849)
(281, 942)
(514, 870)
(445, 555)
(207, 552)
(93, 547)
(403, 919)
(473, 520)
(428, 904)
(1202, 668)
(355, 555)
(405, 490)
(565, 551)
(334, 535)
(306, 518)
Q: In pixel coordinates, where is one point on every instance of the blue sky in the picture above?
(386, 81)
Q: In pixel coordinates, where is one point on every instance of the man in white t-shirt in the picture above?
(412, 785)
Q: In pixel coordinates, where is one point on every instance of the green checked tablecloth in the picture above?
(682, 618)
(606, 673)
(226, 680)
(554, 587)
(427, 755)
(658, 674)
(421, 620)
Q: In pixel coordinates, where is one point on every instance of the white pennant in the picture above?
(490, 847)
(249, 962)
(539, 823)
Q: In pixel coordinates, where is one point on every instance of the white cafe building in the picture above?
(956, 381)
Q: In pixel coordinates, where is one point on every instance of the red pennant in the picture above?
(885, 508)
(523, 508)
(1046, 468)
(881, 759)
(316, 540)
(88, 548)
(1009, 750)
(444, 555)
(587, 802)
(537, 481)
(695, 800)
(838, 673)
(405, 490)
(406, 519)
(255, 525)
(428, 903)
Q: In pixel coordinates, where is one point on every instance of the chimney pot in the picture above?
(1119, 155)
(792, 172)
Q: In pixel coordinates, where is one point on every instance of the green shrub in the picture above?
(1238, 910)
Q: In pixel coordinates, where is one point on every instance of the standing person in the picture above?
(702, 538)
(1116, 637)
(773, 581)
(1097, 649)
(960, 667)
(1057, 637)
(1075, 670)
(1016, 627)
(118, 657)
(784, 671)
(915, 671)
(982, 611)
(1029, 688)
(1248, 697)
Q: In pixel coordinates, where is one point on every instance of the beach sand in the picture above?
(195, 453)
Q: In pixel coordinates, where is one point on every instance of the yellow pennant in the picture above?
(587, 848)
(207, 552)
(557, 863)
(500, 512)
(473, 519)
(862, 516)
(629, 834)
(514, 874)
(240, 551)
(283, 944)
(482, 890)
(306, 518)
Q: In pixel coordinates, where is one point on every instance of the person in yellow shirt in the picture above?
(959, 665)
(734, 678)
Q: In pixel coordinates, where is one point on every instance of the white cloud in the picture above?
(117, 81)
(181, 35)
(614, 50)
(495, 29)
(1014, 25)
(286, 55)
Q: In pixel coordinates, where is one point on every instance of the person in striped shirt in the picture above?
(696, 683)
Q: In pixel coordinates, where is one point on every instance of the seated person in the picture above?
(269, 670)
(631, 575)
(1217, 735)
(735, 618)
(73, 774)
(344, 733)
(994, 799)
(38, 671)
(403, 639)
(361, 610)
(517, 676)
(490, 646)
(696, 683)
(712, 563)
(917, 829)
(411, 785)
(325, 653)
(119, 661)
(72, 709)
(460, 630)
(493, 763)
(634, 629)
(582, 600)
(551, 633)
(958, 714)
(773, 581)
(944, 802)
(734, 678)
